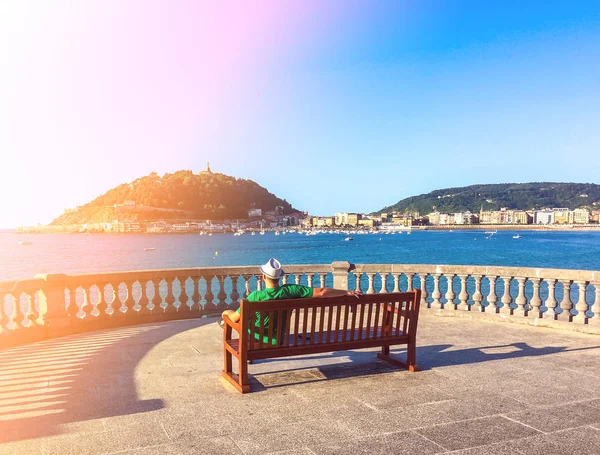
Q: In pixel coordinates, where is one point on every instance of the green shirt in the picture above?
(287, 291)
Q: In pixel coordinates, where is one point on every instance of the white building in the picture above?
(543, 217)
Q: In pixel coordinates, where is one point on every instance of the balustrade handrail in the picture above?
(532, 272)
(56, 304)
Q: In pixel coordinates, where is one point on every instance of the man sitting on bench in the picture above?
(271, 274)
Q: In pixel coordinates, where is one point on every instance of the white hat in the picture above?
(272, 269)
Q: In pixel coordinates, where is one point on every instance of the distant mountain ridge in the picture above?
(183, 194)
(516, 196)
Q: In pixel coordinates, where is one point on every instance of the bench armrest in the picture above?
(232, 325)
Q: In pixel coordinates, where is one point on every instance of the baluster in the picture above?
(284, 279)
(310, 277)
(323, 276)
(72, 309)
(371, 289)
(397, 283)
(492, 298)
(409, 279)
(596, 319)
(450, 305)
(222, 295)
(424, 294)
(383, 276)
(506, 297)
(246, 280)
(29, 314)
(521, 300)
(566, 304)
(535, 303)
(582, 306)
(259, 283)
(235, 295)
(551, 300)
(130, 303)
(16, 315)
(464, 295)
(150, 305)
(436, 294)
(3, 316)
(170, 299)
(112, 301)
(297, 277)
(86, 303)
(196, 297)
(358, 276)
(209, 306)
(477, 296)
(141, 305)
(185, 296)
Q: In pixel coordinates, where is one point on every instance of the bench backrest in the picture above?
(305, 322)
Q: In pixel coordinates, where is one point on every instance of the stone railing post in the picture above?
(566, 304)
(340, 271)
(464, 295)
(450, 295)
(596, 308)
(535, 303)
(423, 286)
(52, 304)
(436, 294)
(409, 281)
(322, 278)
(370, 289)
(477, 296)
(582, 306)
(396, 282)
(492, 298)
(383, 276)
(551, 302)
(521, 300)
(506, 297)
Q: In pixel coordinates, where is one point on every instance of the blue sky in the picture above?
(335, 106)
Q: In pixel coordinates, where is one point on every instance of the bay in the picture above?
(97, 253)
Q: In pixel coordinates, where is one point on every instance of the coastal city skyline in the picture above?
(370, 103)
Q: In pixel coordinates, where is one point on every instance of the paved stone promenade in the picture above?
(486, 389)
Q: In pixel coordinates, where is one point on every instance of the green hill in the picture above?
(181, 195)
(518, 196)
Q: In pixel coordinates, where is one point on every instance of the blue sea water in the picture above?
(95, 253)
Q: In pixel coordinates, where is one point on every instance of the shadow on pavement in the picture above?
(46, 385)
(363, 363)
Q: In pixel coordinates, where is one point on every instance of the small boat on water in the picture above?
(276, 232)
(149, 249)
(25, 242)
(348, 239)
(518, 236)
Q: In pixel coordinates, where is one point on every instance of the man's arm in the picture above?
(323, 293)
(233, 315)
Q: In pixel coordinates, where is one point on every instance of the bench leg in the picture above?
(239, 381)
(243, 379)
(411, 357)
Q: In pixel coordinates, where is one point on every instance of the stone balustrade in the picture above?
(55, 305)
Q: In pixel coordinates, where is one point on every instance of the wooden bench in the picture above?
(310, 326)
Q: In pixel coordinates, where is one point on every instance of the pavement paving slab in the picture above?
(486, 389)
